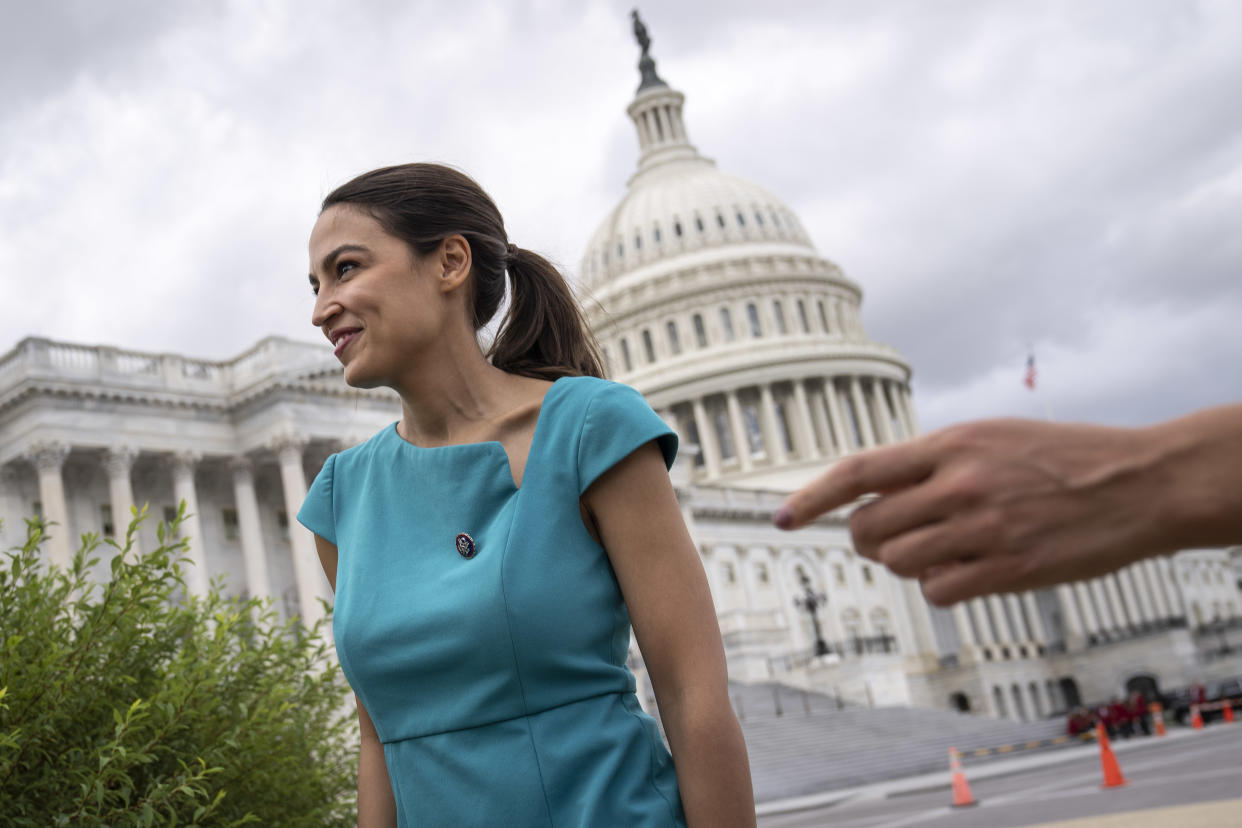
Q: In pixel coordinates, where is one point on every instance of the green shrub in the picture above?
(131, 702)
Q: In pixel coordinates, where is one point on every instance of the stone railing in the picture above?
(37, 358)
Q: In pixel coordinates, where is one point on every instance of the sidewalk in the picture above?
(1203, 815)
(989, 770)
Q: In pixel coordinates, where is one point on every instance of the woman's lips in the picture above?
(344, 341)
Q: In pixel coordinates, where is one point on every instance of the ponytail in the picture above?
(544, 334)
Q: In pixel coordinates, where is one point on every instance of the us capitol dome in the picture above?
(708, 296)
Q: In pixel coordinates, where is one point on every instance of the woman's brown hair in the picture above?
(544, 334)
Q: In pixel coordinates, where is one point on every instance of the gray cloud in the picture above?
(1060, 175)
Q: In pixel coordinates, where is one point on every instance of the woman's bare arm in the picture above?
(376, 806)
(670, 605)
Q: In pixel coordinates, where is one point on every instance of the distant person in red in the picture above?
(1123, 721)
(1139, 714)
(1198, 694)
(1079, 722)
(1104, 715)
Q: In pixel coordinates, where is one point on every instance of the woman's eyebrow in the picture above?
(326, 262)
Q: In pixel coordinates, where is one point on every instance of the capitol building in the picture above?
(707, 295)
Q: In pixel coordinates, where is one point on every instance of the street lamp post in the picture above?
(811, 601)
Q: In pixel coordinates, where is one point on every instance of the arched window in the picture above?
(726, 324)
(674, 341)
(724, 434)
(752, 314)
(778, 311)
(648, 345)
(754, 434)
(879, 621)
(851, 623)
(700, 330)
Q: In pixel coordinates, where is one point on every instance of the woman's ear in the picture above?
(454, 262)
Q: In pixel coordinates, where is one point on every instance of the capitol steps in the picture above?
(797, 753)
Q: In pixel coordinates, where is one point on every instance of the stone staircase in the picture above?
(802, 743)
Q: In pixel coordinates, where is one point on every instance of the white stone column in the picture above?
(1138, 584)
(1033, 711)
(1150, 573)
(1075, 631)
(1036, 621)
(1091, 621)
(807, 449)
(49, 460)
(907, 405)
(965, 632)
(12, 527)
(1120, 611)
(1020, 631)
(307, 572)
(119, 463)
(738, 425)
(845, 442)
(181, 465)
(707, 439)
(1140, 609)
(1004, 632)
(771, 428)
(860, 409)
(1102, 610)
(979, 610)
(251, 531)
(819, 419)
(1172, 588)
(888, 390)
(880, 406)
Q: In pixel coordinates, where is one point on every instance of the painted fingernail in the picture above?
(783, 518)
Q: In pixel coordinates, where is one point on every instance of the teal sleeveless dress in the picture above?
(483, 628)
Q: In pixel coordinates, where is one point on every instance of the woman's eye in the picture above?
(344, 267)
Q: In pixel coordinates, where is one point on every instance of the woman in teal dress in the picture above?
(491, 550)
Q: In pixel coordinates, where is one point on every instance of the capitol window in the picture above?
(776, 220)
(620, 250)
(758, 218)
(699, 223)
(648, 345)
(752, 313)
(105, 520)
(720, 220)
(638, 241)
(761, 573)
(867, 577)
(674, 341)
(677, 228)
(782, 425)
(806, 327)
(700, 331)
(625, 355)
(823, 316)
(754, 434)
(778, 311)
(838, 574)
(692, 436)
(727, 571)
(726, 322)
(741, 219)
(655, 234)
(282, 520)
(724, 434)
(232, 531)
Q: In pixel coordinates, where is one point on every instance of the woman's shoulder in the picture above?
(362, 452)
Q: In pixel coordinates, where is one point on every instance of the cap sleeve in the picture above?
(316, 513)
(618, 421)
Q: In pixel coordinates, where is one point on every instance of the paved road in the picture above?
(1183, 772)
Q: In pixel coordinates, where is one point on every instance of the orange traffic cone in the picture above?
(1157, 717)
(1196, 718)
(961, 789)
(1108, 760)
(1228, 711)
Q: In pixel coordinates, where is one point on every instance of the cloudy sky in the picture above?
(1061, 176)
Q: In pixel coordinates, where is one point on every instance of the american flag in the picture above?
(1028, 379)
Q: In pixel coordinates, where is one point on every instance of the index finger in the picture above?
(876, 471)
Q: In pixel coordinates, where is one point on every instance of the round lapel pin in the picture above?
(465, 546)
